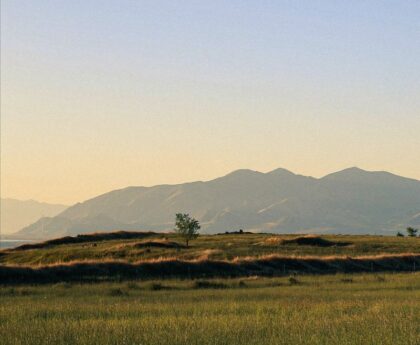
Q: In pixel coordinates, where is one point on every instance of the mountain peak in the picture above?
(243, 172)
(352, 170)
(357, 175)
(347, 173)
(281, 171)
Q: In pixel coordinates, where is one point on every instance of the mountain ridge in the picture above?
(348, 201)
(16, 213)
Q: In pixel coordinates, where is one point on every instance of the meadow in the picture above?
(152, 246)
(144, 255)
(147, 288)
(330, 309)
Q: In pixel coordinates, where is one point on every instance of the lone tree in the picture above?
(186, 226)
(412, 232)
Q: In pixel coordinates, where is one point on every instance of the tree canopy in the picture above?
(412, 232)
(186, 226)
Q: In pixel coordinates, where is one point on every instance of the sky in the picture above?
(100, 95)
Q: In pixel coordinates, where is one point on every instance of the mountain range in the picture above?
(351, 201)
(16, 214)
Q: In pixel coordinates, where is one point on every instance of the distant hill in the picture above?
(16, 214)
(350, 201)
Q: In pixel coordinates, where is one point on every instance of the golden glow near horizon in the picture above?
(93, 103)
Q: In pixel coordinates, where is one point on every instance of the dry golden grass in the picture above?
(165, 267)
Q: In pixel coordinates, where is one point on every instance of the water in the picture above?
(12, 243)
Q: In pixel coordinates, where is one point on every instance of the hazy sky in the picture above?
(98, 95)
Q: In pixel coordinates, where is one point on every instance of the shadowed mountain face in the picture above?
(349, 201)
(15, 214)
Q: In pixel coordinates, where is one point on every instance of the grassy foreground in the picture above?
(338, 309)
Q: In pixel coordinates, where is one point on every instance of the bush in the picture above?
(412, 232)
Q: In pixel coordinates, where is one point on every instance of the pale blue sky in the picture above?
(98, 95)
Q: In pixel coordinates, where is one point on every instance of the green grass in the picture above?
(224, 247)
(336, 309)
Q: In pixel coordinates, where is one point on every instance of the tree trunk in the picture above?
(187, 242)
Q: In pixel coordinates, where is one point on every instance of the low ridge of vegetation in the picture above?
(158, 244)
(85, 238)
(313, 241)
(273, 265)
(147, 255)
(133, 247)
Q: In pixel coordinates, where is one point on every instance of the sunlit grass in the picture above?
(222, 247)
(338, 309)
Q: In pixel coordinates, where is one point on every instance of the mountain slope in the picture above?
(349, 201)
(15, 214)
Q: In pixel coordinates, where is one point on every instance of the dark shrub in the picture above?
(314, 241)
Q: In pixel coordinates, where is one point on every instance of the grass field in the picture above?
(215, 247)
(127, 305)
(338, 309)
